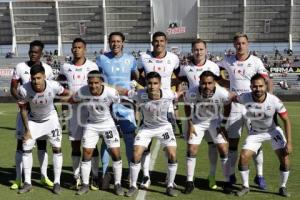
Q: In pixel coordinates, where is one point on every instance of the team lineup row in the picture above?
(212, 111)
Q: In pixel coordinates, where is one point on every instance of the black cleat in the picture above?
(283, 192)
(26, 188)
(83, 189)
(56, 188)
(132, 190)
(189, 187)
(243, 191)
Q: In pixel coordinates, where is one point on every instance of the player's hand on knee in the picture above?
(26, 136)
(223, 132)
(191, 131)
(288, 148)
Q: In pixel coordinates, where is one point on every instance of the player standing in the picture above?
(75, 72)
(21, 75)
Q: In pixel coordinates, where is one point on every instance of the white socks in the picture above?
(134, 173)
(190, 168)
(172, 169)
(284, 175)
(117, 169)
(27, 163)
(259, 160)
(57, 166)
(85, 171)
(43, 160)
(146, 158)
(245, 178)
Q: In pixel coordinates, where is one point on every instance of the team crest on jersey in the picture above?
(127, 62)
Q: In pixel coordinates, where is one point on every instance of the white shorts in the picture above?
(254, 141)
(209, 131)
(79, 115)
(20, 129)
(50, 128)
(92, 132)
(237, 120)
(164, 134)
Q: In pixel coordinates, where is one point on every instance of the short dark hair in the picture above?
(95, 74)
(159, 34)
(258, 76)
(78, 40)
(239, 35)
(153, 75)
(116, 33)
(37, 43)
(198, 41)
(206, 74)
(37, 69)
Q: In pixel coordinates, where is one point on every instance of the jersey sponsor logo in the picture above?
(249, 65)
(168, 62)
(78, 69)
(158, 61)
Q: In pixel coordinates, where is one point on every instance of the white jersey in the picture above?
(98, 106)
(155, 112)
(192, 72)
(240, 72)
(207, 109)
(41, 103)
(164, 66)
(77, 74)
(261, 114)
(22, 72)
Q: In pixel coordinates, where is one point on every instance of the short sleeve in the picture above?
(15, 75)
(22, 94)
(279, 107)
(176, 60)
(261, 68)
(58, 88)
(114, 95)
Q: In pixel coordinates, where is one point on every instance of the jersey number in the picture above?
(166, 136)
(109, 135)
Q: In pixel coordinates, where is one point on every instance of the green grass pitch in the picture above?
(157, 189)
